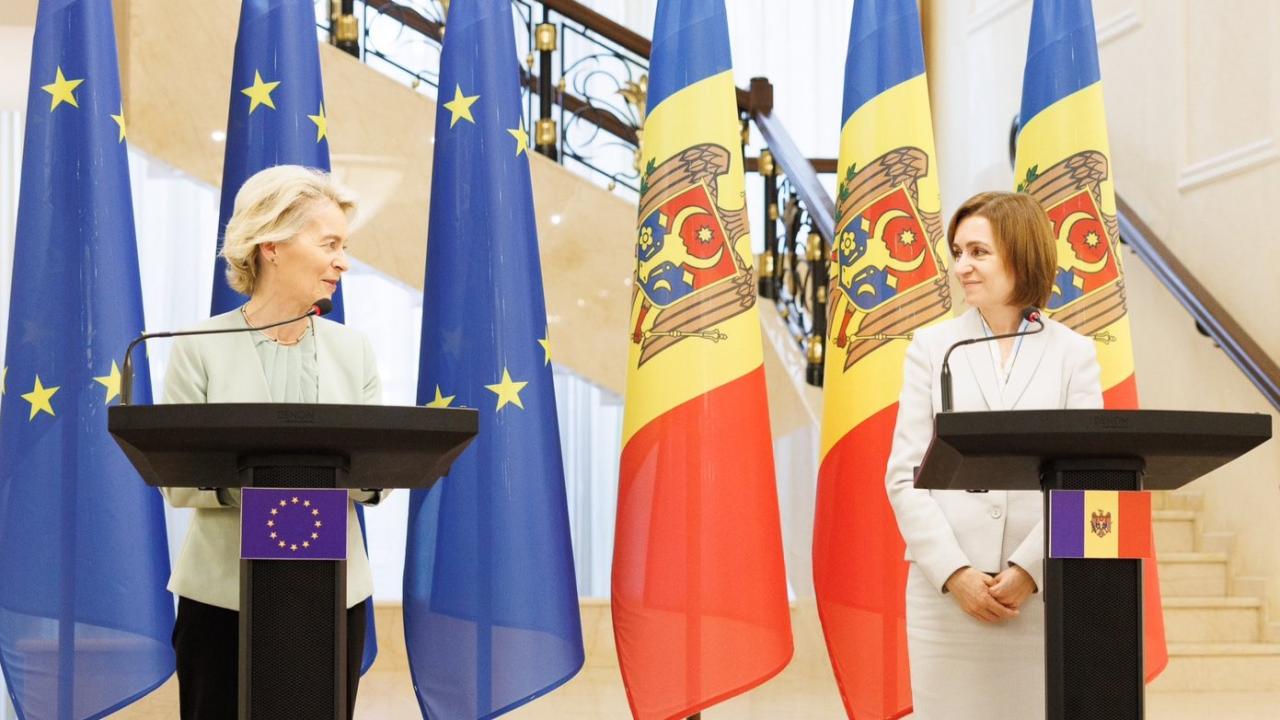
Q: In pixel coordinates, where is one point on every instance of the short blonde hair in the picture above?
(273, 207)
(1023, 238)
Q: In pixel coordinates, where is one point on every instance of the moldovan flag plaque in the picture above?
(1099, 524)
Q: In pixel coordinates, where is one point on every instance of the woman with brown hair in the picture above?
(975, 629)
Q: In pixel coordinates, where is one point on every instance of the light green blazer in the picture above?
(227, 369)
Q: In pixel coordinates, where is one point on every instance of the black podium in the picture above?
(1093, 607)
(293, 632)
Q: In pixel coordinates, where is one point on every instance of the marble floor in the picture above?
(805, 690)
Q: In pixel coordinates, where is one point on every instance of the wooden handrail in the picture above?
(1208, 313)
(820, 204)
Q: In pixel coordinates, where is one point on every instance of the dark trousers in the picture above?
(207, 641)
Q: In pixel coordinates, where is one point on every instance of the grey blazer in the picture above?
(227, 369)
(946, 530)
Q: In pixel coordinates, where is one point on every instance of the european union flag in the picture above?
(277, 114)
(84, 617)
(490, 604)
(277, 117)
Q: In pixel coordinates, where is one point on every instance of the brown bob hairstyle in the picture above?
(1023, 238)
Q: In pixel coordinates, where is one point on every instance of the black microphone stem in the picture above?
(1030, 314)
(126, 373)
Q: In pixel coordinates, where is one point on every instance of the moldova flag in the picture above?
(888, 278)
(1064, 161)
(491, 614)
(1099, 524)
(699, 594)
(85, 620)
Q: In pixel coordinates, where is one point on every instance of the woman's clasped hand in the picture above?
(987, 598)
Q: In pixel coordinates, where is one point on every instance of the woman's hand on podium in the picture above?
(971, 589)
(1012, 587)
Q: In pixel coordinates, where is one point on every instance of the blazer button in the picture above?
(996, 512)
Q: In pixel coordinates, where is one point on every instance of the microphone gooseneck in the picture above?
(1029, 314)
(320, 307)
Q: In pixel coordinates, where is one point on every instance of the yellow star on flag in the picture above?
(111, 382)
(545, 342)
(322, 124)
(4, 375)
(460, 106)
(522, 140)
(62, 90)
(39, 399)
(120, 121)
(260, 93)
(441, 401)
(508, 391)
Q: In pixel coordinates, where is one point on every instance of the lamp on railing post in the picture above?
(344, 31)
(767, 280)
(816, 255)
(544, 38)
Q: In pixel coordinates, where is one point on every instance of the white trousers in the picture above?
(965, 669)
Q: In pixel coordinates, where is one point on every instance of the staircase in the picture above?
(1215, 623)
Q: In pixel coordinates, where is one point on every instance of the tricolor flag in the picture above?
(490, 602)
(277, 114)
(85, 620)
(1064, 161)
(699, 592)
(888, 278)
(1099, 524)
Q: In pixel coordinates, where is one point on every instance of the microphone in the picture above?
(319, 308)
(1030, 314)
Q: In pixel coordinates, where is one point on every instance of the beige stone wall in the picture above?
(1193, 105)
(176, 67)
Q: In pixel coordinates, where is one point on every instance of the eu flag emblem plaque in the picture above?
(293, 524)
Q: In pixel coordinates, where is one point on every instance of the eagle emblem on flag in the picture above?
(1088, 289)
(887, 278)
(1100, 523)
(690, 276)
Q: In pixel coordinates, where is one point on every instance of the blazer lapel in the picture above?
(250, 385)
(1025, 364)
(978, 358)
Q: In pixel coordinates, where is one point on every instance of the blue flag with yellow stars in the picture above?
(276, 117)
(277, 114)
(85, 618)
(490, 603)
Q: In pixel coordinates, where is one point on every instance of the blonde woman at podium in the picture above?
(285, 248)
(975, 624)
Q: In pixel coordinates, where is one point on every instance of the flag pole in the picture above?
(67, 596)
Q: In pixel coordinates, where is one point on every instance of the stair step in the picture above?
(1175, 530)
(1184, 501)
(1221, 667)
(1193, 574)
(1212, 619)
